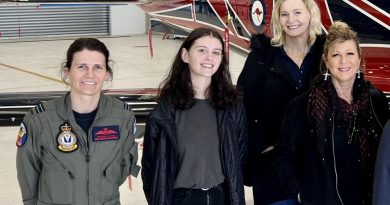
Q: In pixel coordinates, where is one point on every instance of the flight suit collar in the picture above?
(66, 112)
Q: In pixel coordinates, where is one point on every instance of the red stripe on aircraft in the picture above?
(326, 19)
(374, 12)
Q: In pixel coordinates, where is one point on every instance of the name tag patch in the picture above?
(105, 133)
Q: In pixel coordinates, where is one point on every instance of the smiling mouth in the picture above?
(293, 27)
(89, 83)
(344, 69)
(206, 65)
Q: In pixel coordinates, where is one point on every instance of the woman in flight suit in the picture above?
(79, 148)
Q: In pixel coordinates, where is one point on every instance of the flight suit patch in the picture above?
(22, 135)
(66, 139)
(105, 133)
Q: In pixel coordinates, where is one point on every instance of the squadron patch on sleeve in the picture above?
(22, 135)
(67, 140)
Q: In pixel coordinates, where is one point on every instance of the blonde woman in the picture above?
(277, 70)
(331, 134)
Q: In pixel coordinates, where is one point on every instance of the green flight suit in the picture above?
(93, 168)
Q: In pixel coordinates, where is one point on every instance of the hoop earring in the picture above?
(326, 74)
(358, 72)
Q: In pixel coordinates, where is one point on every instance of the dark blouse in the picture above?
(298, 74)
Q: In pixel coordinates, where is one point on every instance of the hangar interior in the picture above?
(33, 40)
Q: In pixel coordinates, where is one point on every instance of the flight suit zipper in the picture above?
(87, 158)
(84, 145)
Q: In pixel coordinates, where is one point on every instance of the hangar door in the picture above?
(33, 20)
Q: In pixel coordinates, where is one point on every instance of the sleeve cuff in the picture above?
(135, 170)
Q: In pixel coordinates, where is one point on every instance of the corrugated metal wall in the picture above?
(27, 20)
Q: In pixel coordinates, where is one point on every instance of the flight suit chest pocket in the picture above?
(56, 182)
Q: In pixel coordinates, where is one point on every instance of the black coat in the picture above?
(160, 154)
(268, 89)
(300, 165)
(382, 174)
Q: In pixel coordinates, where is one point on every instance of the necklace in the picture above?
(351, 127)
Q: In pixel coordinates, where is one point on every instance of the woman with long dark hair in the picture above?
(195, 139)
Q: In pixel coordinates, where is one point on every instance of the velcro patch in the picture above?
(105, 133)
(22, 135)
(66, 139)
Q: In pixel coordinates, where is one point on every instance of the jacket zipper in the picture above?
(334, 163)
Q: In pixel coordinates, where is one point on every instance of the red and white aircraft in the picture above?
(242, 18)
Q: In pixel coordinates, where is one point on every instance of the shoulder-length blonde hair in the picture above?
(279, 36)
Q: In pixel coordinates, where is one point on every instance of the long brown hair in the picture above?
(177, 87)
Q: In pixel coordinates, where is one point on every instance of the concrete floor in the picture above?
(34, 65)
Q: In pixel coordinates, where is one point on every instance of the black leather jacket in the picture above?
(160, 157)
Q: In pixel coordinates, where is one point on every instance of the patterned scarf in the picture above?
(324, 105)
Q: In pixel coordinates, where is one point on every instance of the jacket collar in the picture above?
(260, 41)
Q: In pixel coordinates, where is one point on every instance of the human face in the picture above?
(204, 57)
(87, 73)
(294, 18)
(343, 61)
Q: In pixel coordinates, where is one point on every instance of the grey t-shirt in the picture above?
(198, 142)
